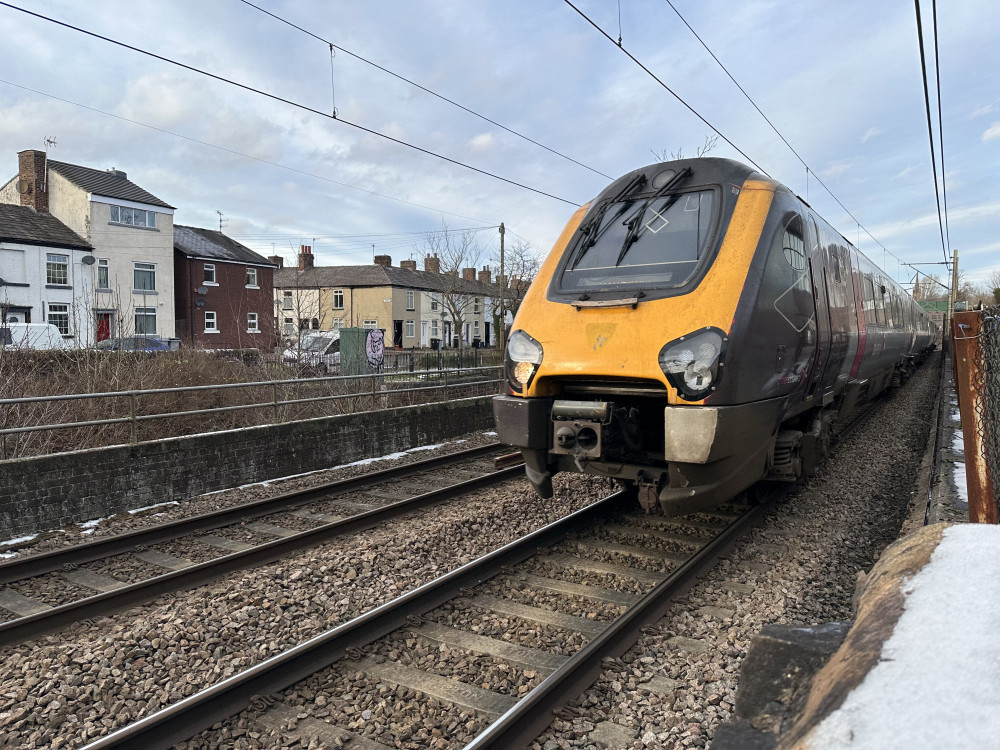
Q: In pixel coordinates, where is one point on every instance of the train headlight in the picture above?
(693, 364)
(524, 355)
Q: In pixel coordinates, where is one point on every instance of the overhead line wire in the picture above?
(424, 88)
(778, 132)
(652, 75)
(930, 127)
(944, 176)
(239, 153)
(289, 102)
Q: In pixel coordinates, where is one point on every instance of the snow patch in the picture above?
(150, 507)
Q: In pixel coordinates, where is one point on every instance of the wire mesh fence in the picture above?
(976, 337)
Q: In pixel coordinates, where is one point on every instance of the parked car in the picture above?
(138, 344)
(318, 349)
(31, 336)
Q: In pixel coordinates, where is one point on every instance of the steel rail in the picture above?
(533, 713)
(46, 562)
(224, 699)
(30, 626)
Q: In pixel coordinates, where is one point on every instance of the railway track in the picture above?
(223, 541)
(373, 663)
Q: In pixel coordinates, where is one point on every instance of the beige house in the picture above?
(130, 288)
(414, 308)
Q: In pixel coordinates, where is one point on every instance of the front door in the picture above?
(105, 325)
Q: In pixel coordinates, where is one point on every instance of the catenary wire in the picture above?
(290, 103)
(652, 75)
(779, 134)
(241, 154)
(930, 128)
(425, 89)
(944, 174)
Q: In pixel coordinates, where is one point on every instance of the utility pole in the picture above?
(503, 297)
(953, 294)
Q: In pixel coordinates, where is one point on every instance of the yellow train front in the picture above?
(695, 329)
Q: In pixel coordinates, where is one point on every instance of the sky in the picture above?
(841, 83)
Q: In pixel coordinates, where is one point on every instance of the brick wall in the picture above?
(49, 492)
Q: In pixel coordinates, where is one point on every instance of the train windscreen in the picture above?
(641, 243)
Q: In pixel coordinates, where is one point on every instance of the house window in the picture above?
(409, 300)
(475, 329)
(434, 330)
(338, 299)
(145, 320)
(338, 323)
(411, 330)
(57, 269)
(286, 300)
(475, 306)
(103, 274)
(210, 273)
(434, 302)
(252, 326)
(210, 322)
(144, 277)
(370, 324)
(252, 277)
(59, 317)
(288, 325)
(133, 217)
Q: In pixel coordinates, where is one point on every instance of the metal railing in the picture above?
(275, 398)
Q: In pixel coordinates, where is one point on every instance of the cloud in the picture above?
(872, 132)
(980, 111)
(837, 169)
(992, 132)
(482, 142)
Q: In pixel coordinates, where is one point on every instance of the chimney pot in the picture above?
(432, 264)
(469, 274)
(306, 259)
(383, 260)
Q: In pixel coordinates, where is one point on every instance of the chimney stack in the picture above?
(432, 263)
(305, 257)
(409, 265)
(383, 260)
(277, 260)
(469, 274)
(31, 180)
(484, 275)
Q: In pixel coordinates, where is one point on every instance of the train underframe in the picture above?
(680, 457)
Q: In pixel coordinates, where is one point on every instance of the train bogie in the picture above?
(695, 329)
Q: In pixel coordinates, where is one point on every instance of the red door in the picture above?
(103, 326)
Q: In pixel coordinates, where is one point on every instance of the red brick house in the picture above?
(224, 292)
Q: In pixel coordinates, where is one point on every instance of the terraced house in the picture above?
(125, 285)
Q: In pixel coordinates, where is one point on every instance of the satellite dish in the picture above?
(202, 290)
(200, 302)
(23, 186)
(88, 260)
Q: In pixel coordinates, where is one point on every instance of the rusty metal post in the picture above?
(965, 330)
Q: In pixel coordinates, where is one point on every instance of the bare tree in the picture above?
(521, 264)
(456, 250)
(708, 145)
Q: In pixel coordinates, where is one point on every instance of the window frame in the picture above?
(58, 318)
(210, 281)
(410, 302)
(253, 322)
(214, 328)
(251, 279)
(148, 268)
(410, 329)
(147, 314)
(338, 299)
(56, 268)
(104, 268)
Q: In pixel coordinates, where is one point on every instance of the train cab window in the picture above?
(642, 243)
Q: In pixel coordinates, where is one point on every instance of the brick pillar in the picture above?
(31, 180)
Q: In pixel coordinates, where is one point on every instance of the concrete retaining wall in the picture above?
(48, 492)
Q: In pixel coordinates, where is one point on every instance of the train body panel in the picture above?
(697, 328)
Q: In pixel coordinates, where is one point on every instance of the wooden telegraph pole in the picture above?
(503, 297)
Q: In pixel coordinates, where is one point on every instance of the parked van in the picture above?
(31, 336)
(319, 349)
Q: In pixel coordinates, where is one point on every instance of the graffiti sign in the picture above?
(375, 348)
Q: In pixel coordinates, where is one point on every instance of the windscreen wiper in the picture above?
(591, 230)
(634, 228)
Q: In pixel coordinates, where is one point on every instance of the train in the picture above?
(698, 328)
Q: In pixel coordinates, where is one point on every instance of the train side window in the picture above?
(868, 293)
(793, 245)
(880, 302)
